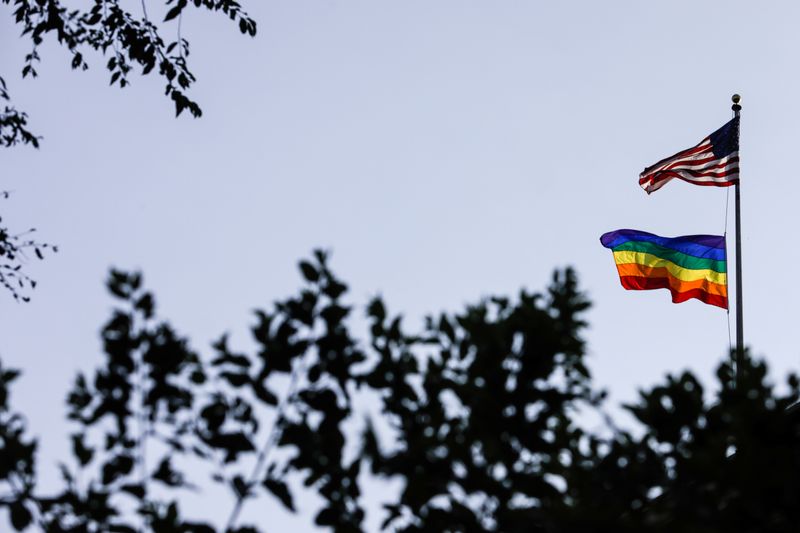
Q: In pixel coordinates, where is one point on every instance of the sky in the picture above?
(443, 151)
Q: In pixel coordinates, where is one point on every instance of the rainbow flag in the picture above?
(693, 266)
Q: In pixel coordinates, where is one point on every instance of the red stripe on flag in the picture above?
(702, 147)
(666, 176)
(637, 283)
(702, 163)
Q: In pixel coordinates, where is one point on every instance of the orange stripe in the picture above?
(633, 269)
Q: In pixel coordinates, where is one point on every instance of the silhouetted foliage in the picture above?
(479, 419)
(17, 458)
(14, 130)
(131, 40)
(109, 29)
(14, 124)
(14, 252)
(481, 405)
(730, 464)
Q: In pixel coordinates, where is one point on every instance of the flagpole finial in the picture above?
(736, 99)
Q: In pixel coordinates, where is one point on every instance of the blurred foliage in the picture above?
(730, 464)
(476, 415)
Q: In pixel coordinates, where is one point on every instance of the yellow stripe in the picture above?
(684, 274)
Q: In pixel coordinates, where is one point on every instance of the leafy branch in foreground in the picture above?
(17, 459)
(14, 124)
(130, 40)
(14, 253)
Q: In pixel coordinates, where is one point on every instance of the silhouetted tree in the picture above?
(482, 405)
(478, 420)
(729, 464)
(155, 408)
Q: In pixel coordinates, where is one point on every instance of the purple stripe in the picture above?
(704, 246)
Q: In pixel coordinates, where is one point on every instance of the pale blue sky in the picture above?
(443, 150)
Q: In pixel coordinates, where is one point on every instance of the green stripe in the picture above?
(680, 259)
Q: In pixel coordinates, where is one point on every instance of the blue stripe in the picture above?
(704, 246)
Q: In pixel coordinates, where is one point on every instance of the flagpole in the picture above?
(739, 311)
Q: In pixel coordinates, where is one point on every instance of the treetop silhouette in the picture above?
(479, 419)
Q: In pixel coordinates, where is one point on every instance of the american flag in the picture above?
(714, 162)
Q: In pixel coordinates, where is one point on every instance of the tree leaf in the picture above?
(281, 491)
(20, 516)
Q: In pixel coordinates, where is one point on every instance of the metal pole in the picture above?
(739, 311)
